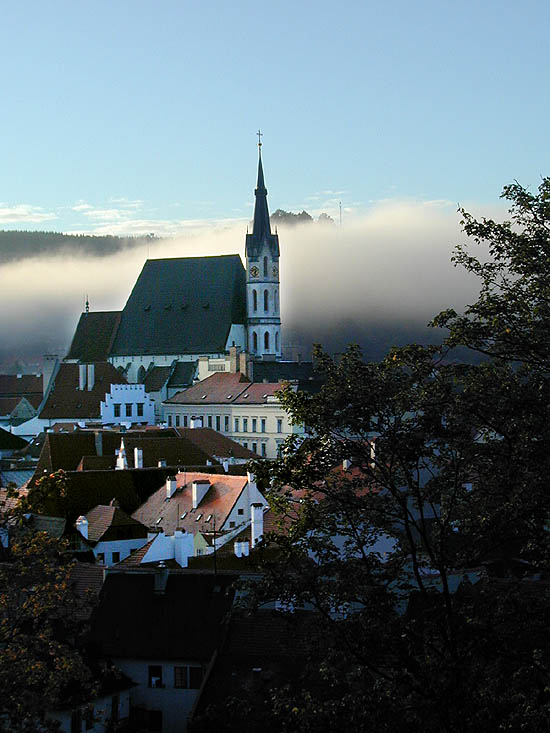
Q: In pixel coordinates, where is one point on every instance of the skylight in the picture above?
(203, 397)
(198, 517)
(183, 515)
(158, 520)
(209, 517)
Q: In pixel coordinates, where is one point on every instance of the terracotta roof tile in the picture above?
(214, 443)
(135, 558)
(221, 387)
(178, 513)
(108, 522)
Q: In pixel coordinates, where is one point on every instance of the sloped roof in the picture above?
(133, 560)
(157, 378)
(257, 394)
(8, 441)
(218, 501)
(303, 372)
(183, 622)
(182, 306)
(111, 522)
(66, 400)
(15, 385)
(221, 387)
(213, 443)
(94, 336)
(183, 374)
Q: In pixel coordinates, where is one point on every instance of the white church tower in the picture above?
(262, 278)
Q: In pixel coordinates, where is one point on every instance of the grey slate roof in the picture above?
(183, 305)
(94, 336)
(183, 373)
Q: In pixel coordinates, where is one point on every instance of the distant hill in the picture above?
(288, 217)
(17, 245)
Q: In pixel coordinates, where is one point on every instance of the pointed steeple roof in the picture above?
(261, 230)
(262, 227)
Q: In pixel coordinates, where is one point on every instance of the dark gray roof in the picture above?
(183, 305)
(183, 373)
(303, 372)
(94, 336)
(261, 230)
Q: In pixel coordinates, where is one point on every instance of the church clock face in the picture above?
(254, 271)
(275, 270)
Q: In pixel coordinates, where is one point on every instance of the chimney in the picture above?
(138, 457)
(195, 422)
(243, 366)
(82, 377)
(238, 548)
(245, 548)
(82, 526)
(183, 547)
(171, 486)
(233, 360)
(91, 377)
(346, 464)
(161, 578)
(98, 438)
(225, 465)
(251, 477)
(257, 526)
(200, 488)
(121, 462)
(48, 368)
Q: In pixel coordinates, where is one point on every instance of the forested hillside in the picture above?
(17, 245)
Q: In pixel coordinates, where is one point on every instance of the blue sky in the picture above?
(140, 116)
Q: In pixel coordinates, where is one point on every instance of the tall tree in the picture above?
(417, 509)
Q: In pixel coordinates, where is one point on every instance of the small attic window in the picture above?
(158, 520)
(183, 515)
(198, 517)
(203, 397)
(147, 308)
(229, 396)
(245, 396)
(209, 517)
(206, 306)
(264, 396)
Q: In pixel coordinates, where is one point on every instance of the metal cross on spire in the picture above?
(260, 135)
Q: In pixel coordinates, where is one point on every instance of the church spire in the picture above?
(261, 228)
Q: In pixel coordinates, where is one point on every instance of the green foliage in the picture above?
(41, 624)
(422, 560)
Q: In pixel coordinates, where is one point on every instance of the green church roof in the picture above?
(183, 305)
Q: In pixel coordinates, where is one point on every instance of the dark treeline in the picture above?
(18, 245)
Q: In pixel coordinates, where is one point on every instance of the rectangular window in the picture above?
(117, 409)
(231, 525)
(101, 557)
(245, 425)
(264, 450)
(187, 678)
(139, 407)
(218, 423)
(240, 511)
(177, 421)
(254, 424)
(236, 424)
(180, 678)
(116, 557)
(254, 447)
(128, 407)
(185, 421)
(226, 423)
(279, 425)
(245, 445)
(169, 421)
(209, 421)
(263, 424)
(155, 675)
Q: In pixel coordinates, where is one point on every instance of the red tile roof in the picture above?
(214, 443)
(110, 522)
(12, 385)
(134, 559)
(257, 393)
(218, 501)
(66, 400)
(221, 387)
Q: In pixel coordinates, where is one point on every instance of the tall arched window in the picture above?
(276, 300)
(255, 341)
(266, 340)
(276, 341)
(266, 301)
(265, 266)
(141, 374)
(254, 300)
